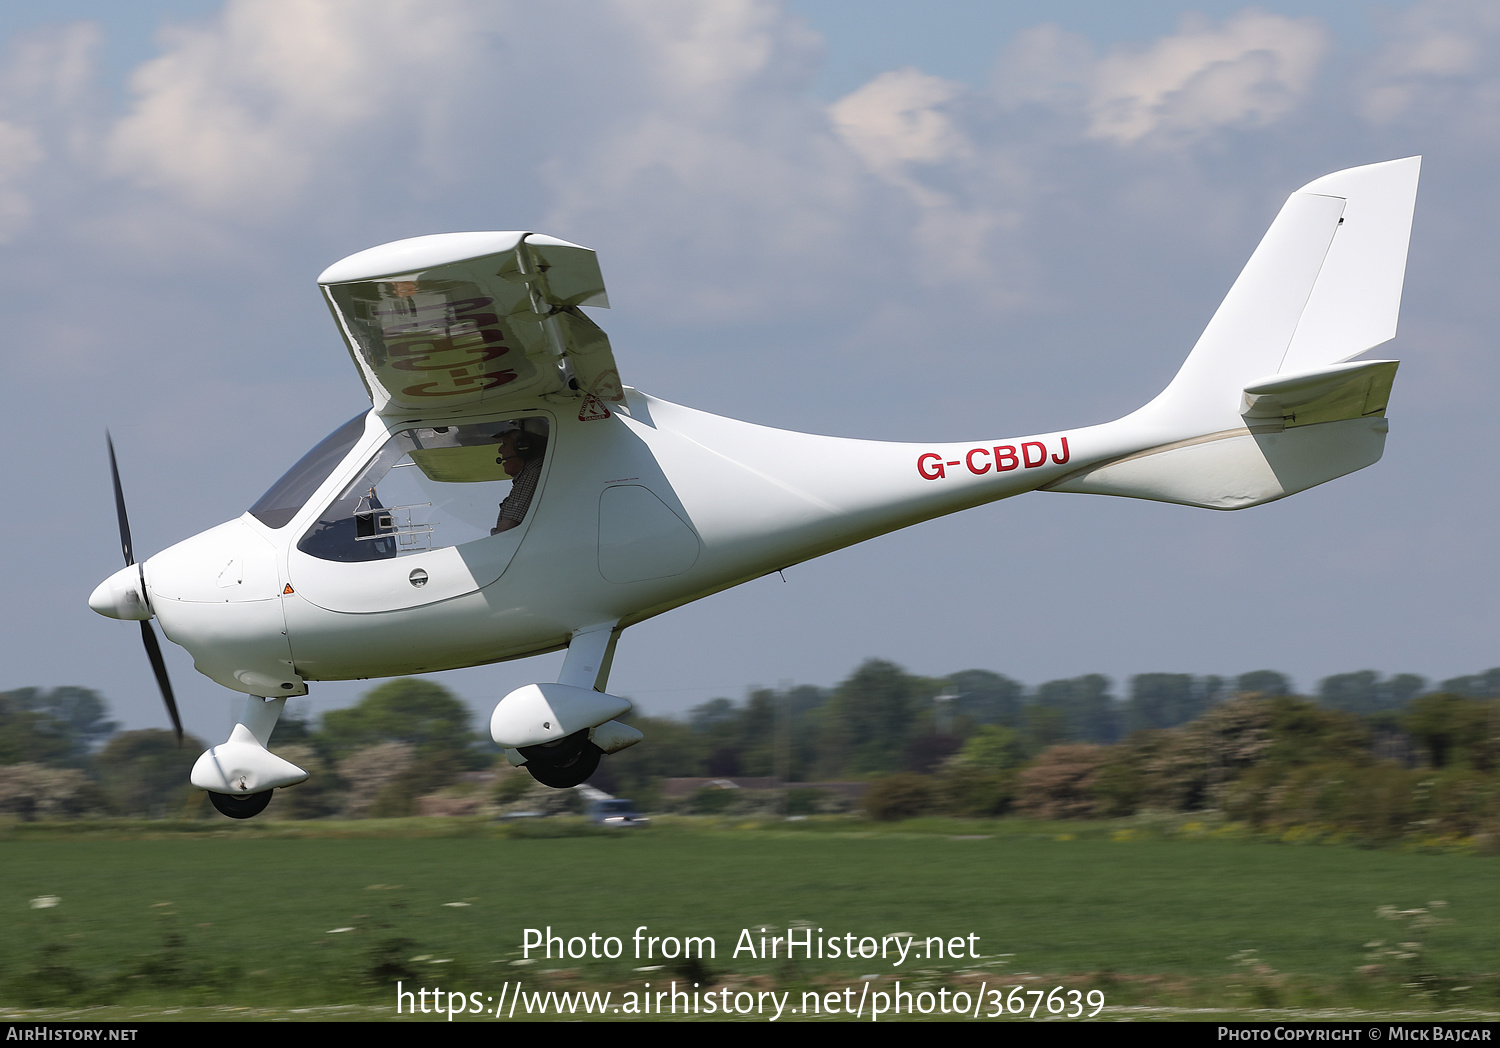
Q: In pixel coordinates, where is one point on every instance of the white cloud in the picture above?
(679, 121)
(46, 75)
(672, 121)
(244, 109)
(702, 55)
(55, 65)
(1045, 65)
(982, 167)
(702, 141)
(20, 152)
(676, 123)
(897, 119)
(1251, 70)
(1442, 65)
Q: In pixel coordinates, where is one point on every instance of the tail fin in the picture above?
(1264, 406)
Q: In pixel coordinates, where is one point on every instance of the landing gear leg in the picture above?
(240, 774)
(542, 711)
(569, 762)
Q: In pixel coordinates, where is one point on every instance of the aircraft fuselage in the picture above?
(637, 512)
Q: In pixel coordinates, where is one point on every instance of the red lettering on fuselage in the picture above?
(1002, 458)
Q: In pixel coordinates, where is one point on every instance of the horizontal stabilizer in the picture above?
(1356, 390)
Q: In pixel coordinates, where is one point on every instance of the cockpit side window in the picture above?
(431, 488)
(280, 504)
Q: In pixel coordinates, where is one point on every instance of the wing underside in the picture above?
(464, 322)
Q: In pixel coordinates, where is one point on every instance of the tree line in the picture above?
(963, 742)
(61, 757)
(971, 743)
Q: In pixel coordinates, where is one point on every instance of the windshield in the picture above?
(280, 504)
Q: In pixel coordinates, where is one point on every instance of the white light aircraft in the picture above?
(507, 495)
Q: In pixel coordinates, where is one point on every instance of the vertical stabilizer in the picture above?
(1323, 286)
(1265, 404)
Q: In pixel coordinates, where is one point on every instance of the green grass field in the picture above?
(246, 916)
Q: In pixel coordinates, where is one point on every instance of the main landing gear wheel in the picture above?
(243, 806)
(565, 763)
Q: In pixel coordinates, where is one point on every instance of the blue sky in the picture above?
(945, 222)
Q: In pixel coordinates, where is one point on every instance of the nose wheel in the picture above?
(245, 806)
(565, 763)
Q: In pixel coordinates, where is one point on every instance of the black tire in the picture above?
(240, 806)
(565, 763)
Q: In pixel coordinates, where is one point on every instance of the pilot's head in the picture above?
(517, 447)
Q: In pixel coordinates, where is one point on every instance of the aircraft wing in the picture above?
(464, 322)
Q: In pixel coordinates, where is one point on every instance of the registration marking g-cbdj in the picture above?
(1002, 458)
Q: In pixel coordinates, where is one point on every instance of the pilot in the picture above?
(521, 458)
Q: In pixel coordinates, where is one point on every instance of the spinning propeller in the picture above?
(148, 635)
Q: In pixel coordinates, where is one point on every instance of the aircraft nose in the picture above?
(121, 595)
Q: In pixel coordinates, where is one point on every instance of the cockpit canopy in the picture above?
(425, 488)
